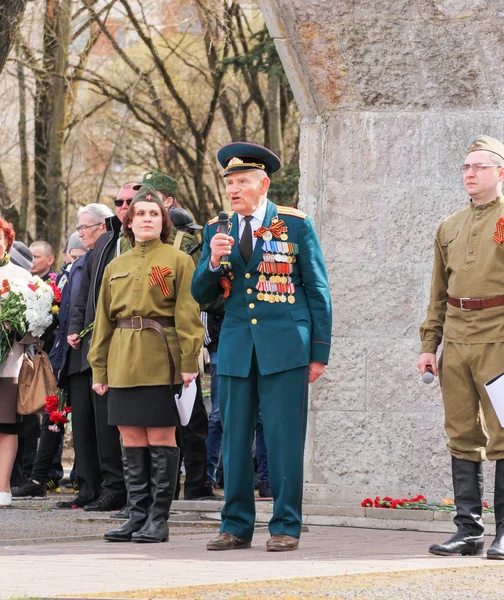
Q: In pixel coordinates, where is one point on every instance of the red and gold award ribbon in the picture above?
(157, 276)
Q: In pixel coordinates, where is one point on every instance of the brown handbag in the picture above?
(35, 382)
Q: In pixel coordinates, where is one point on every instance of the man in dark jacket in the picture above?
(111, 243)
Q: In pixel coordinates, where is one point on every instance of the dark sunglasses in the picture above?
(119, 203)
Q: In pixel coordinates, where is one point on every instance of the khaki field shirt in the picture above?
(468, 263)
(127, 358)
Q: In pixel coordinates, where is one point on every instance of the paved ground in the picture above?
(332, 562)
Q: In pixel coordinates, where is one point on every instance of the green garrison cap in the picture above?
(160, 182)
(483, 142)
(147, 194)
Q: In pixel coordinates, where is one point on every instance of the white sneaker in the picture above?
(5, 499)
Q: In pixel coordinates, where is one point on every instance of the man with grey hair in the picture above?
(88, 430)
(112, 490)
(466, 312)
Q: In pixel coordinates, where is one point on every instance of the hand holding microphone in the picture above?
(427, 365)
(221, 243)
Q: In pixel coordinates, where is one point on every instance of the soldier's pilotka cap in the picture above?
(484, 142)
(242, 156)
(160, 182)
(147, 194)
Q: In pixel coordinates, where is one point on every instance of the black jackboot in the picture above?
(163, 478)
(136, 474)
(496, 550)
(468, 488)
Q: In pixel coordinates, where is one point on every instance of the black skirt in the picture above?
(143, 406)
(11, 428)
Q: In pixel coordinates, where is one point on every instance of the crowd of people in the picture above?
(140, 296)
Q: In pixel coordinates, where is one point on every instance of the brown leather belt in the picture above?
(476, 303)
(156, 323)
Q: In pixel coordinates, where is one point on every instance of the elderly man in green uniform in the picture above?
(275, 339)
(467, 309)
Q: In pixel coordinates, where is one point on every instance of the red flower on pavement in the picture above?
(485, 504)
(367, 503)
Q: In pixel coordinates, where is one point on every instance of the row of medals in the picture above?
(284, 257)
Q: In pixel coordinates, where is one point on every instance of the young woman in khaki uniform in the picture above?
(146, 343)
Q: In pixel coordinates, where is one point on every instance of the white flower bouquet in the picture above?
(25, 307)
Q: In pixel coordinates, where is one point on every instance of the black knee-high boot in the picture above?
(496, 550)
(163, 479)
(468, 488)
(137, 477)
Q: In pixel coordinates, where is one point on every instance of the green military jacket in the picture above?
(468, 263)
(188, 241)
(127, 358)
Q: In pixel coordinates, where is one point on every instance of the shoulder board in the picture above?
(290, 210)
(216, 219)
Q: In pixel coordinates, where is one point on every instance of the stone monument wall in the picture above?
(390, 93)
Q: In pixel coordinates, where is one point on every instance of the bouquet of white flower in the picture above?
(25, 307)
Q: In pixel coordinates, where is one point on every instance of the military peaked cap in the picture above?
(242, 156)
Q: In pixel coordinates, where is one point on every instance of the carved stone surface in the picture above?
(391, 97)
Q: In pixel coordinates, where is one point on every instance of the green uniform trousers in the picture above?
(473, 429)
(283, 398)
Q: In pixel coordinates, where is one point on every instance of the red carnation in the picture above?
(485, 504)
(51, 404)
(32, 287)
(396, 504)
(367, 503)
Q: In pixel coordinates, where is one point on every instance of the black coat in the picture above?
(84, 308)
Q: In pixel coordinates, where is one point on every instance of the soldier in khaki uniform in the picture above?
(467, 309)
(146, 342)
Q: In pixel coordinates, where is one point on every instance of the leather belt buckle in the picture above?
(462, 300)
(140, 321)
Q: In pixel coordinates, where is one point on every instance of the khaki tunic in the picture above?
(467, 264)
(124, 358)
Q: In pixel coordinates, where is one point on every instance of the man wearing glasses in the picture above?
(110, 244)
(467, 309)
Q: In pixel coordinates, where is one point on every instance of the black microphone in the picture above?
(223, 227)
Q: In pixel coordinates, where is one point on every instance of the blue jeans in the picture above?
(214, 438)
(261, 454)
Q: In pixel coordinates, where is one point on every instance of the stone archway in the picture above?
(390, 98)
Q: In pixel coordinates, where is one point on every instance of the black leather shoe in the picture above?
(107, 501)
(496, 550)
(77, 502)
(460, 544)
(264, 490)
(164, 461)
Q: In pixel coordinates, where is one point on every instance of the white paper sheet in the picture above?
(495, 391)
(185, 402)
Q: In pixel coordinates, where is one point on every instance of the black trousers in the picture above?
(98, 454)
(191, 440)
(48, 461)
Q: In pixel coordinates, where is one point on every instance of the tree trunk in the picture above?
(22, 233)
(57, 125)
(274, 121)
(11, 13)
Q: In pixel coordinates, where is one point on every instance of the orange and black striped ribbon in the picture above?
(498, 236)
(276, 229)
(157, 278)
